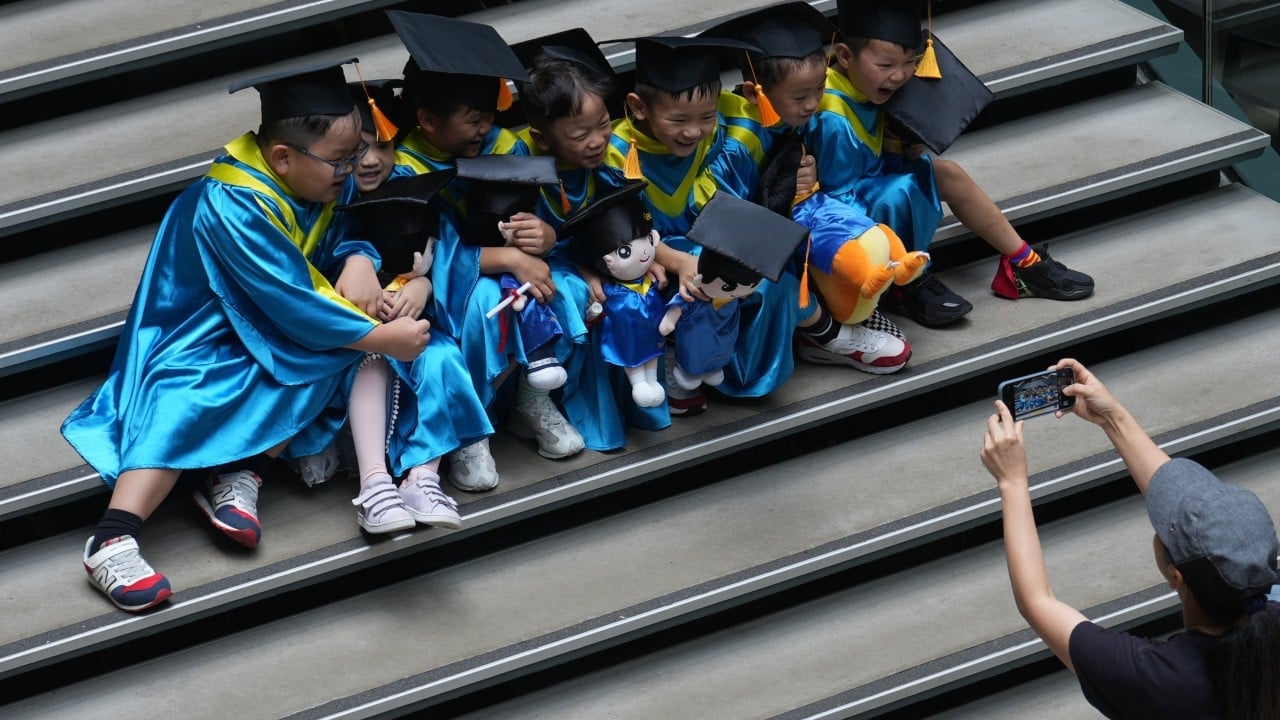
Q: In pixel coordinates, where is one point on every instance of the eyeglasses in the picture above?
(345, 166)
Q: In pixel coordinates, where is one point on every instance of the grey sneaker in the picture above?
(472, 468)
(540, 418)
(427, 503)
(380, 508)
(120, 572)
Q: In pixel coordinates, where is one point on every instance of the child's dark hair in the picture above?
(651, 94)
(421, 95)
(558, 89)
(771, 71)
(858, 44)
(301, 131)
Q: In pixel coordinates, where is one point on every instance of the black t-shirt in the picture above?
(1125, 676)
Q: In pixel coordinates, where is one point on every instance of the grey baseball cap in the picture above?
(1219, 536)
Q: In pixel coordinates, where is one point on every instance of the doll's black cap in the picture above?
(304, 91)
(501, 186)
(935, 111)
(459, 60)
(677, 64)
(609, 222)
(573, 45)
(399, 216)
(896, 21)
(750, 235)
(790, 30)
(383, 92)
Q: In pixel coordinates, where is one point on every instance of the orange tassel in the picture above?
(804, 274)
(928, 65)
(565, 207)
(504, 95)
(386, 130)
(631, 169)
(768, 116)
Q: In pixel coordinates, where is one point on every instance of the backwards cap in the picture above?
(315, 89)
(677, 64)
(790, 30)
(896, 21)
(1219, 536)
(466, 62)
(398, 218)
(748, 241)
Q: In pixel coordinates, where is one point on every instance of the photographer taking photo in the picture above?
(1214, 543)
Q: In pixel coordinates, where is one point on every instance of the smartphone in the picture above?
(1038, 394)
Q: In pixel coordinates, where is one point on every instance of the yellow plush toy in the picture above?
(862, 269)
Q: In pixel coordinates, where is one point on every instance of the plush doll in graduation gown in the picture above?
(742, 243)
(616, 232)
(434, 409)
(235, 341)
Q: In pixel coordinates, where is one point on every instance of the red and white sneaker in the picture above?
(119, 571)
(230, 501)
(859, 347)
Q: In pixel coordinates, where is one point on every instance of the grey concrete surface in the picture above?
(597, 572)
(1053, 697)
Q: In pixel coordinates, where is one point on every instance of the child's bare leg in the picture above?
(381, 509)
(141, 491)
(974, 208)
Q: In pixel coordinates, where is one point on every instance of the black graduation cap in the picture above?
(315, 89)
(676, 64)
(609, 222)
(501, 186)
(747, 241)
(777, 188)
(399, 217)
(573, 45)
(466, 62)
(790, 30)
(897, 21)
(384, 94)
(935, 111)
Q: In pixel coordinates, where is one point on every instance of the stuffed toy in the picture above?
(615, 234)
(850, 258)
(742, 243)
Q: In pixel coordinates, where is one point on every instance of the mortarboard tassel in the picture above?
(504, 95)
(631, 168)
(565, 207)
(804, 274)
(386, 130)
(768, 116)
(928, 65)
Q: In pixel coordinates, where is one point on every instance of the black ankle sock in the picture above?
(823, 331)
(257, 465)
(114, 524)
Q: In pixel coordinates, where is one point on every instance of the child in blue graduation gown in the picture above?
(236, 343)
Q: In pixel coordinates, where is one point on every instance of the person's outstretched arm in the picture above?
(1005, 457)
(1096, 404)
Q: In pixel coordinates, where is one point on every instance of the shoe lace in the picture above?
(239, 489)
(860, 339)
(128, 567)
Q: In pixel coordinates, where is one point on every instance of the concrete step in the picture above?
(597, 584)
(862, 651)
(1053, 697)
(152, 155)
(1185, 273)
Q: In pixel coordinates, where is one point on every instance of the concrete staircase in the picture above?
(825, 552)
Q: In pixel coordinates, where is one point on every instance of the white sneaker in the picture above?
(121, 573)
(858, 347)
(472, 468)
(427, 503)
(381, 510)
(539, 418)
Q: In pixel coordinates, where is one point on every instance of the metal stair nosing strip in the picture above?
(29, 352)
(727, 592)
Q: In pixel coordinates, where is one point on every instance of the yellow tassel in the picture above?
(928, 65)
(504, 95)
(386, 130)
(565, 207)
(631, 169)
(768, 116)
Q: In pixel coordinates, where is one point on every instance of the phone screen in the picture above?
(1037, 394)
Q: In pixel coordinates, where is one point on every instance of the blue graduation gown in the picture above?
(706, 334)
(235, 341)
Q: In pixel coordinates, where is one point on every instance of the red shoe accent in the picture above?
(1003, 283)
(687, 406)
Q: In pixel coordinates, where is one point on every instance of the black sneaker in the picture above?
(927, 301)
(1051, 279)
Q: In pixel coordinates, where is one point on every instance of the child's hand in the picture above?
(404, 338)
(807, 175)
(359, 284)
(595, 284)
(913, 152)
(407, 302)
(686, 268)
(659, 275)
(529, 269)
(529, 233)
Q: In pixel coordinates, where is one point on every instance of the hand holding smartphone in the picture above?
(1037, 394)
